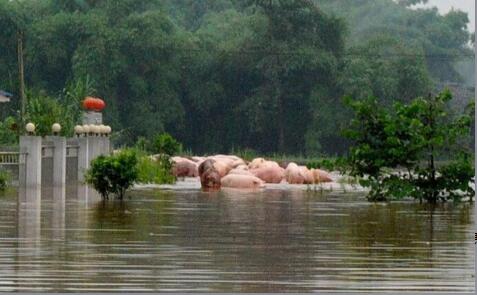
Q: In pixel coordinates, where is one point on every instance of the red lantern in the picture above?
(101, 104)
(93, 104)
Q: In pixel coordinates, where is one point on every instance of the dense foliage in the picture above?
(155, 169)
(116, 173)
(224, 75)
(4, 179)
(165, 144)
(396, 149)
(113, 174)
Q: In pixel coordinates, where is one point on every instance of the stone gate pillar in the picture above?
(83, 165)
(59, 167)
(31, 147)
(59, 159)
(83, 157)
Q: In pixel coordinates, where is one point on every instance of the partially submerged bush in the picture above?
(116, 173)
(156, 170)
(113, 174)
(396, 150)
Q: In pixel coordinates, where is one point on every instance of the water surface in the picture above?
(269, 241)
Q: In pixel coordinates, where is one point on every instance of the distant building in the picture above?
(5, 96)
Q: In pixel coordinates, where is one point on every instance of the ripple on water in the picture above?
(273, 240)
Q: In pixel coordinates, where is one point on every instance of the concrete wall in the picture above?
(55, 165)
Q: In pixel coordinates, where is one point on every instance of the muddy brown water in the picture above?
(269, 241)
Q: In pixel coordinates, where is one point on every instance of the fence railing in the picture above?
(9, 158)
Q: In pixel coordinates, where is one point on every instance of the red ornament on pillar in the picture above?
(93, 104)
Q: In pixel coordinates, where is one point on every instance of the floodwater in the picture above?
(275, 240)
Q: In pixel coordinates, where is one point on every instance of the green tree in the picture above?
(165, 144)
(296, 50)
(9, 131)
(396, 149)
(113, 174)
(44, 111)
(443, 38)
(222, 74)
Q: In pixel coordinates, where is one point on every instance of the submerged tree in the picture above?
(396, 149)
(113, 174)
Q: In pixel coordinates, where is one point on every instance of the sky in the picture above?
(464, 5)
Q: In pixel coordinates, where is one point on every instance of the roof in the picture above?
(5, 96)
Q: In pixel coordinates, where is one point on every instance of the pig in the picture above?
(173, 159)
(242, 167)
(321, 176)
(269, 174)
(271, 164)
(232, 161)
(294, 175)
(240, 172)
(237, 163)
(198, 159)
(241, 181)
(225, 162)
(261, 162)
(209, 176)
(309, 177)
(222, 167)
(256, 163)
(182, 167)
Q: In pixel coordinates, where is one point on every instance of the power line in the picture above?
(346, 54)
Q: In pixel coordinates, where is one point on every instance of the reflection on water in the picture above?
(230, 241)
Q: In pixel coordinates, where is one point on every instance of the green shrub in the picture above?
(158, 171)
(4, 179)
(397, 149)
(166, 144)
(113, 174)
(142, 144)
(8, 131)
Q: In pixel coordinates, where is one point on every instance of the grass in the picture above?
(317, 161)
(154, 171)
(4, 179)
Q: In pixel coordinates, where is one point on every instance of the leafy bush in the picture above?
(4, 178)
(158, 171)
(166, 144)
(396, 149)
(454, 177)
(8, 131)
(113, 174)
(142, 144)
(65, 109)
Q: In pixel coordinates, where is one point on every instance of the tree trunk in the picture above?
(432, 198)
(281, 125)
(281, 113)
(21, 74)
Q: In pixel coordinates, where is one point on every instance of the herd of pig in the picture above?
(233, 172)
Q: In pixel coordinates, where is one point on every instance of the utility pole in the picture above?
(475, 131)
(21, 73)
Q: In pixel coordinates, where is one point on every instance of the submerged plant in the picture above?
(113, 174)
(410, 138)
